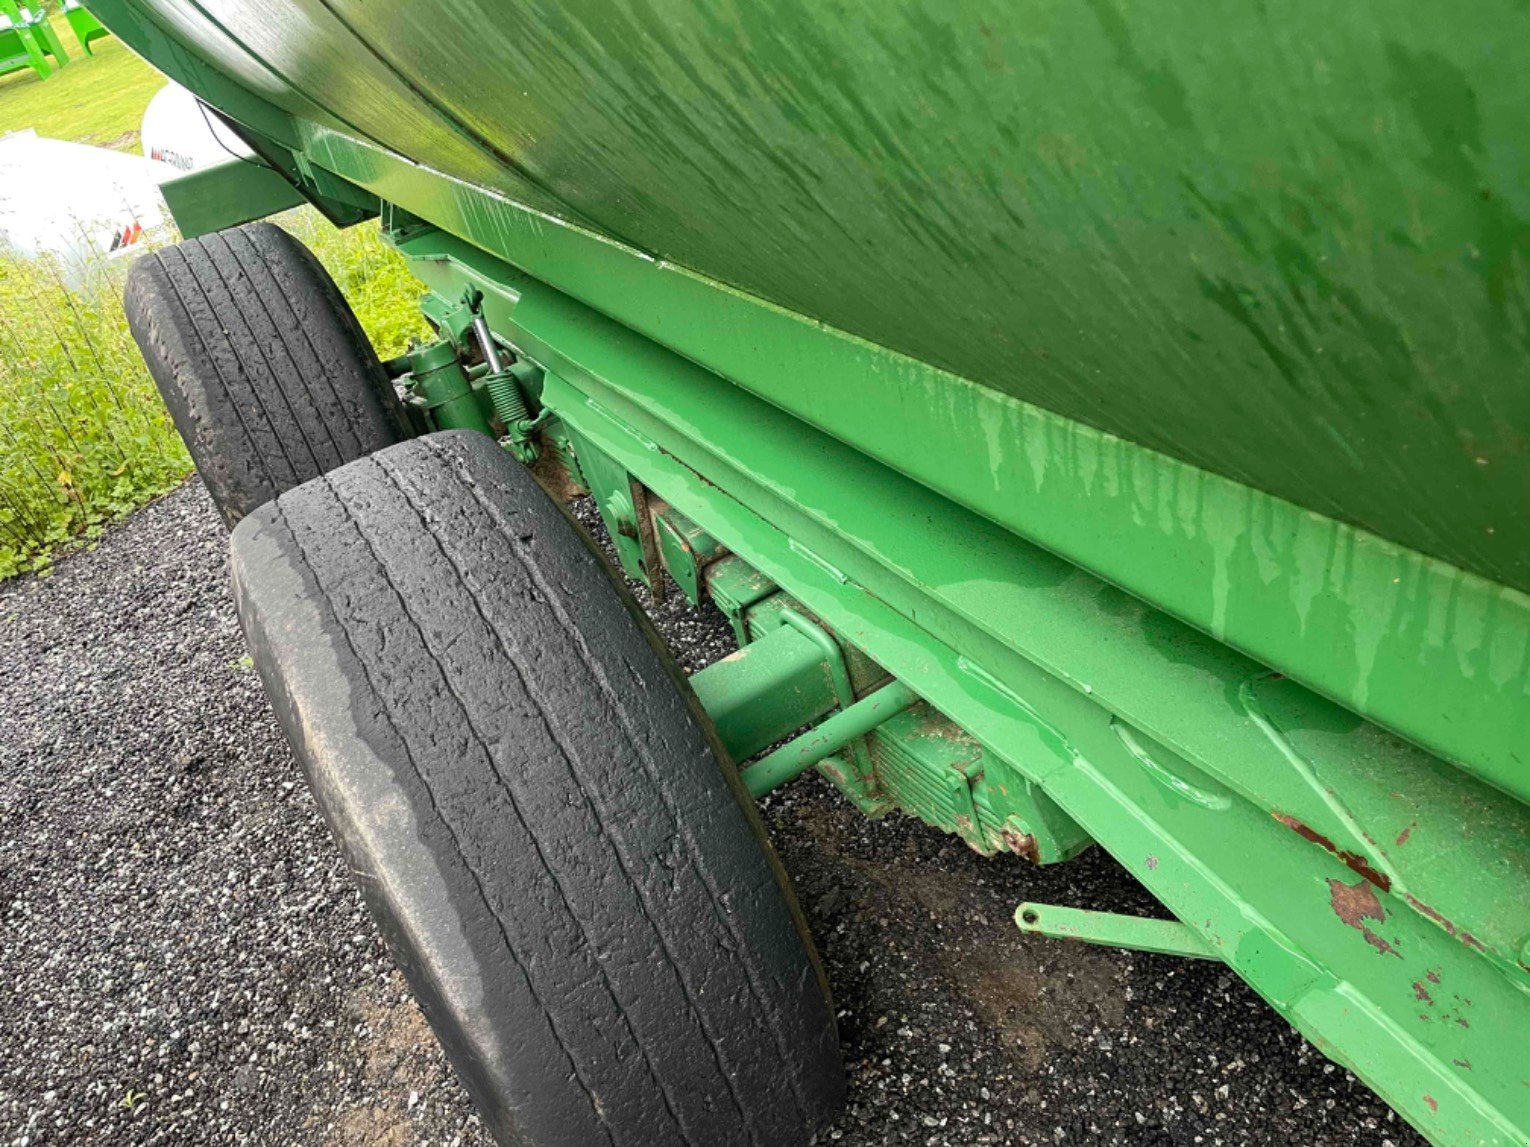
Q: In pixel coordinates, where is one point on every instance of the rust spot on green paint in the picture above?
(1355, 904)
(1458, 933)
(1355, 862)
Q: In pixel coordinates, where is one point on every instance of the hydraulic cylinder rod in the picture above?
(796, 757)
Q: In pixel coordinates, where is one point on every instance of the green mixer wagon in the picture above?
(1103, 425)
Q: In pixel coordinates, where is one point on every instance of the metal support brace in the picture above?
(795, 758)
(843, 688)
(1169, 937)
(766, 691)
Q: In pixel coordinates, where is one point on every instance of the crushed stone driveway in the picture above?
(183, 959)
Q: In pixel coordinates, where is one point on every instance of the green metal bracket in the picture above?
(1169, 937)
(226, 195)
(621, 501)
(734, 586)
(765, 691)
(452, 318)
(685, 549)
(860, 785)
(558, 465)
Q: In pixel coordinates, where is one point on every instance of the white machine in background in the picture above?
(179, 131)
(81, 204)
(76, 202)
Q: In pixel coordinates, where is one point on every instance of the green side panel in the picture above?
(1284, 244)
(1062, 261)
(227, 195)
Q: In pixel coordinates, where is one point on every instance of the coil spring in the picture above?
(509, 403)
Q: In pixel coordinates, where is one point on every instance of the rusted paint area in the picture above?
(1022, 844)
(1458, 933)
(1353, 860)
(1355, 904)
(830, 768)
(1402, 837)
(1434, 1104)
(1421, 993)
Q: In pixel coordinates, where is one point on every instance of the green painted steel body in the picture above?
(226, 194)
(1146, 390)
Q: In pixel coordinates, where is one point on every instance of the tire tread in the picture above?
(580, 812)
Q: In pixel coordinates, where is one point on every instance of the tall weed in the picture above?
(84, 437)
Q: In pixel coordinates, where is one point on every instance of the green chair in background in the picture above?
(27, 40)
(86, 27)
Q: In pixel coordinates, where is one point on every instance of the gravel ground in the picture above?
(183, 959)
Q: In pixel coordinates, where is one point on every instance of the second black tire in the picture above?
(561, 859)
(267, 374)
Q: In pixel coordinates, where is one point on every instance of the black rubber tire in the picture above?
(559, 855)
(266, 372)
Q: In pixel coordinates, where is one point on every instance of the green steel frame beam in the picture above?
(1319, 856)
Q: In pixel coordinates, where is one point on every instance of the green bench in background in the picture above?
(27, 40)
(86, 27)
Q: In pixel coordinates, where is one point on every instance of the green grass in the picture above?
(96, 99)
(84, 438)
